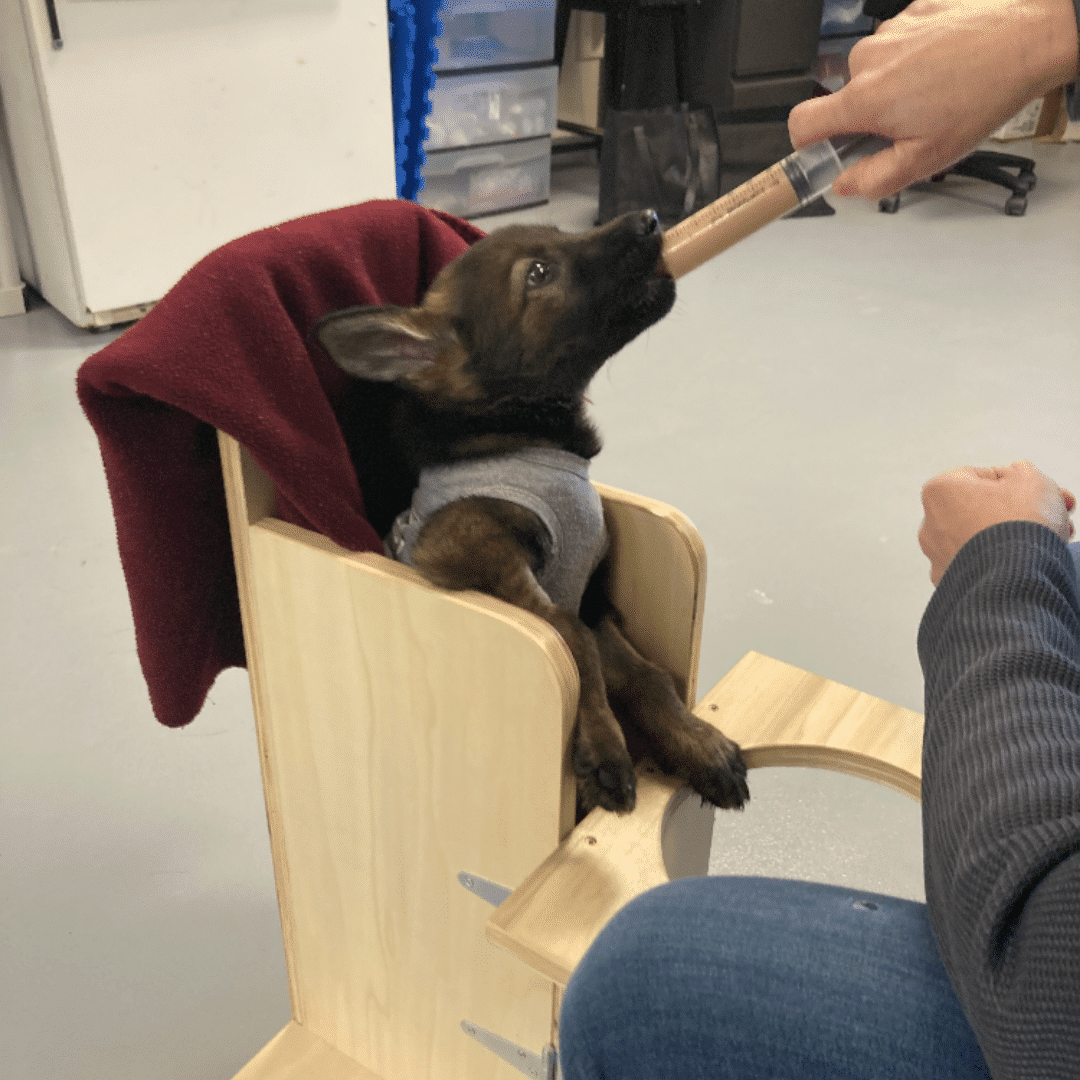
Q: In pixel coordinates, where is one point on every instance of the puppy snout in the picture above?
(648, 223)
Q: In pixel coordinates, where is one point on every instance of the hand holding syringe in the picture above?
(800, 178)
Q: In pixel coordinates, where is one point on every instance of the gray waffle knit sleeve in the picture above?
(1000, 649)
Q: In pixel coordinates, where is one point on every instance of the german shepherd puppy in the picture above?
(490, 373)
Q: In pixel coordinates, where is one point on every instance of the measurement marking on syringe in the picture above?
(750, 190)
(741, 195)
(801, 177)
(722, 223)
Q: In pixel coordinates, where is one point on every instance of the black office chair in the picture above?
(988, 165)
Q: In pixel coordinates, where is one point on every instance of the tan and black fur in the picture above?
(497, 357)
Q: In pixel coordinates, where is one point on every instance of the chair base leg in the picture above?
(988, 165)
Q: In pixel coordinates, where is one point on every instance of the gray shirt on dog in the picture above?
(553, 484)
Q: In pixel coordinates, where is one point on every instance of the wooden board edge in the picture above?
(820, 755)
(237, 469)
(548, 966)
(692, 541)
(296, 1054)
(836, 759)
(601, 837)
(685, 528)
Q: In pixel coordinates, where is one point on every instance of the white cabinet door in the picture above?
(164, 128)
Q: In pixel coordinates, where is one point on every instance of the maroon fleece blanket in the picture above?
(228, 348)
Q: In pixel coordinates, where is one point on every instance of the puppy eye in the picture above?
(539, 273)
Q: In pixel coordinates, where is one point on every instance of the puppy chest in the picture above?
(553, 484)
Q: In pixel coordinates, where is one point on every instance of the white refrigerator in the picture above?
(145, 133)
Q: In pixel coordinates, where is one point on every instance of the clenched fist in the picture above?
(963, 502)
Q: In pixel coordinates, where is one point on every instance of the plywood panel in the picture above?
(659, 583)
(408, 734)
(296, 1054)
(412, 736)
(780, 715)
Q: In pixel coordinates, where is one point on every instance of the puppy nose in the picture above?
(649, 222)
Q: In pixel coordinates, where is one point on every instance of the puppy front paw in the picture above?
(606, 780)
(715, 769)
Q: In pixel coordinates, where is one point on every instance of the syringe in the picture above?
(787, 185)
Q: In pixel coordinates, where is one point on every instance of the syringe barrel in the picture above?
(812, 170)
(780, 189)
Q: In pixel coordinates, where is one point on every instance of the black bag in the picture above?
(667, 160)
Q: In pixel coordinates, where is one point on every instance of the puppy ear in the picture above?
(384, 344)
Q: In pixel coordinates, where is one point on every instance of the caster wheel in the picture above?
(1016, 206)
(889, 205)
(1027, 180)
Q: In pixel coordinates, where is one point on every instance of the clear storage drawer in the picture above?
(486, 179)
(492, 33)
(495, 106)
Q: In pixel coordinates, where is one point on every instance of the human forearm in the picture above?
(1000, 648)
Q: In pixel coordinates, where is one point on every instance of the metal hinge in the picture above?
(487, 890)
(542, 1066)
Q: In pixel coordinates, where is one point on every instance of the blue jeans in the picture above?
(762, 979)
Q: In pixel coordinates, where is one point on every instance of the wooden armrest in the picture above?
(780, 715)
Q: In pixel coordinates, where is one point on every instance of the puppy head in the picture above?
(528, 312)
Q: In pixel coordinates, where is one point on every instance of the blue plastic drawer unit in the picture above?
(493, 33)
(486, 179)
(493, 106)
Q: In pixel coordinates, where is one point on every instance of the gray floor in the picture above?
(793, 403)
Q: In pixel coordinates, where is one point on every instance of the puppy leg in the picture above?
(681, 744)
(493, 546)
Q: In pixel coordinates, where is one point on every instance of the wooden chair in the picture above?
(413, 745)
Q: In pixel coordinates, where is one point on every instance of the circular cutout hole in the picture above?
(686, 835)
(819, 825)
